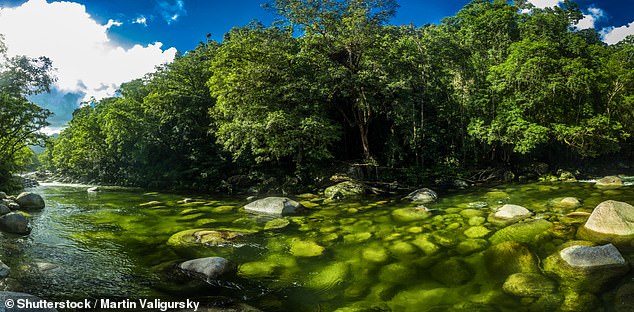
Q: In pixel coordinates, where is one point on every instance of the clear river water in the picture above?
(358, 255)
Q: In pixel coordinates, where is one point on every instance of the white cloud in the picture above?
(613, 35)
(588, 21)
(172, 11)
(542, 4)
(113, 23)
(87, 61)
(140, 20)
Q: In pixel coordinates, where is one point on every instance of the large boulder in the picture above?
(508, 214)
(345, 189)
(14, 297)
(422, 196)
(275, 205)
(587, 268)
(211, 268)
(609, 182)
(15, 222)
(30, 201)
(3, 195)
(611, 221)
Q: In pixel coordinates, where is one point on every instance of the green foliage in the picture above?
(20, 120)
(492, 84)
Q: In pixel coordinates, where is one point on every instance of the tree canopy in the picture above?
(496, 84)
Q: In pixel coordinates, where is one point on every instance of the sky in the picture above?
(96, 45)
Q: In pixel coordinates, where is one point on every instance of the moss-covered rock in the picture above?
(609, 182)
(579, 302)
(525, 232)
(623, 300)
(469, 246)
(375, 254)
(276, 224)
(205, 237)
(329, 277)
(567, 202)
(508, 258)
(403, 250)
(411, 214)
(345, 189)
(424, 243)
(477, 232)
(587, 268)
(415, 300)
(422, 196)
(305, 248)
(528, 285)
(258, 269)
(452, 272)
(395, 273)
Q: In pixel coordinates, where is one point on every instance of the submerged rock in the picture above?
(610, 221)
(28, 200)
(345, 189)
(609, 182)
(587, 268)
(211, 267)
(411, 214)
(525, 232)
(452, 272)
(258, 269)
(528, 285)
(301, 248)
(276, 224)
(422, 196)
(329, 277)
(197, 237)
(477, 232)
(623, 301)
(275, 205)
(508, 258)
(15, 222)
(508, 214)
(568, 202)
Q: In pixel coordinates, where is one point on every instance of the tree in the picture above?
(20, 120)
(267, 103)
(342, 32)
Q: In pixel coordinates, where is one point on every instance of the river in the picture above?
(350, 255)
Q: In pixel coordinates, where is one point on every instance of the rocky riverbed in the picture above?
(523, 247)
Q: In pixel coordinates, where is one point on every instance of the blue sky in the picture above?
(98, 44)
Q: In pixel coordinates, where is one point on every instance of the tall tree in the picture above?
(343, 32)
(20, 119)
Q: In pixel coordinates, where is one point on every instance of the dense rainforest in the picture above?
(331, 83)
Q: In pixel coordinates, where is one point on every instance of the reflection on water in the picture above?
(355, 254)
